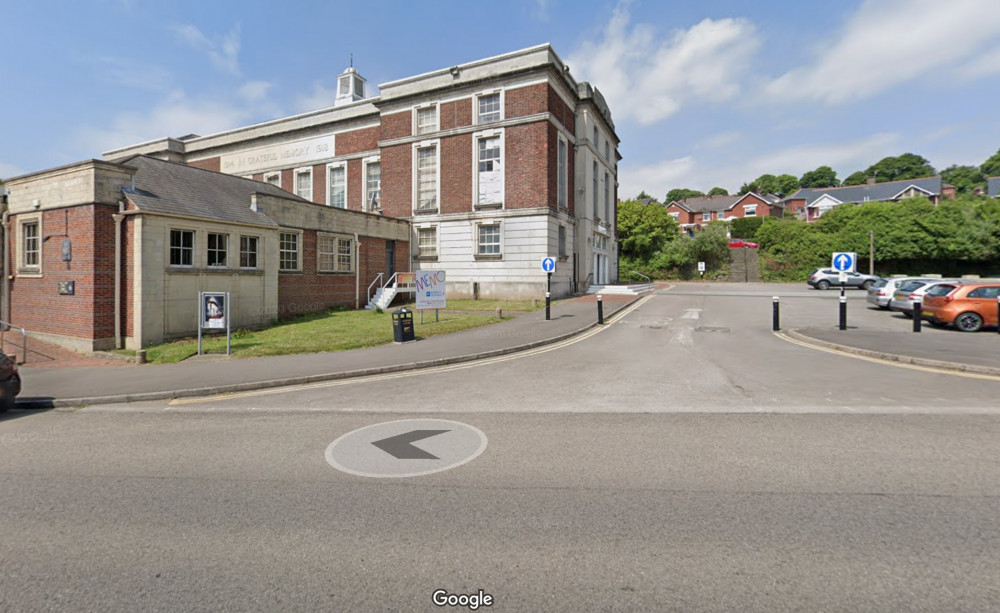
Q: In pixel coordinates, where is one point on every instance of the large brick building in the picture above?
(496, 164)
(481, 170)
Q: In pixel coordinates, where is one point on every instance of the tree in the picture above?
(786, 185)
(680, 193)
(643, 196)
(857, 178)
(718, 191)
(781, 185)
(991, 167)
(644, 229)
(824, 176)
(906, 166)
(965, 178)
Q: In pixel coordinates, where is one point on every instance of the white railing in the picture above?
(378, 277)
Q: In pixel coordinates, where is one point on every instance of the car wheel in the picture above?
(969, 322)
(867, 284)
(824, 284)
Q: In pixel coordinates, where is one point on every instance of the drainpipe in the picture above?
(118, 217)
(357, 272)
(5, 245)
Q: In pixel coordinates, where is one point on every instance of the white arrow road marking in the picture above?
(691, 314)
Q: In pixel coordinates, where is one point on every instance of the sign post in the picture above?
(213, 314)
(431, 291)
(549, 266)
(701, 269)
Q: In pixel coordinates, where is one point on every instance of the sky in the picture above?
(703, 94)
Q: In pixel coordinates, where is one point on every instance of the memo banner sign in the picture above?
(213, 314)
(430, 289)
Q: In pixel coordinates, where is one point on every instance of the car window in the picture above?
(942, 289)
(984, 292)
(881, 283)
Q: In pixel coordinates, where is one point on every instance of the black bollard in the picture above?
(775, 326)
(547, 294)
(917, 314)
(843, 310)
(600, 310)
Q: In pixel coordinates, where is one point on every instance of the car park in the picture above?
(969, 307)
(825, 278)
(902, 299)
(881, 292)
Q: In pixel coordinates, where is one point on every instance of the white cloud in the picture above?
(321, 97)
(718, 141)
(127, 72)
(255, 91)
(648, 77)
(223, 51)
(889, 42)
(541, 10)
(177, 116)
(986, 65)
(655, 179)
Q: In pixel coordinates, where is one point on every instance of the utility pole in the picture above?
(871, 252)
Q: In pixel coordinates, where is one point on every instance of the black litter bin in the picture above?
(402, 326)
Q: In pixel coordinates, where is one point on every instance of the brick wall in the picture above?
(563, 113)
(319, 183)
(526, 177)
(456, 114)
(397, 181)
(355, 185)
(526, 100)
(213, 164)
(396, 125)
(456, 174)
(357, 141)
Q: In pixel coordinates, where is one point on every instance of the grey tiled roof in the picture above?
(178, 189)
(708, 203)
(874, 192)
(993, 187)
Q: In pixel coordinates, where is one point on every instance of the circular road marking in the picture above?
(406, 448)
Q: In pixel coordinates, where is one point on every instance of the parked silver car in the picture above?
(825, 278)
(902, 299)
(881, 293)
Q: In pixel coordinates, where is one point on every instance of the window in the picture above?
(607, 196)
(373, 185)
(427, 178)
(181, 247)
(427, 242)
(607, 151)
(217, 244)
(750, 210)
(489, 108)
(489, 239)
(345, 251)
(273, 178)
(720, 214)
(595, 191)
(337, 186)
(983, 292)
(31, 246)
(288, 251)
(427, 119)
(334, 253)
(562, 172)
(489, 173)
(706, 216)
(248, 251)
(597, 139)
(676, 216)
(303, 183)
(562, 241)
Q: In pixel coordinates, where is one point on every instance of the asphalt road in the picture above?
(680, 459)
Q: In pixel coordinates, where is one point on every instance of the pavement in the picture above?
(63, 379)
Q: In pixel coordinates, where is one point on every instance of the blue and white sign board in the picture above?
(430, 289)
(845, 262)
(549, 264)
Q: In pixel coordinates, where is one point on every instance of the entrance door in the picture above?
(390, 259)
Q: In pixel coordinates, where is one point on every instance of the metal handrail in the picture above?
(4, 326)
(377, 277)
(636, 272)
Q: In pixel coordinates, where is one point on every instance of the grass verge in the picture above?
(336, 330)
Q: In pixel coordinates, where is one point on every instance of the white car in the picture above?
(902, 299)
(881, 293)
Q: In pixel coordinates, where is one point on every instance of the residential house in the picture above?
(694, 213)
(811, 203)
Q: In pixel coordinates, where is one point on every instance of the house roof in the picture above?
(703, 204)
(890, 190)
(993, 187)
(177, 189)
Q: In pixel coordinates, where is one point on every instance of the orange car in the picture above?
(968, 306)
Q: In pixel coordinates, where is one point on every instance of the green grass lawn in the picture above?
(337, 330)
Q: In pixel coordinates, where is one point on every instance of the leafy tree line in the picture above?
(966, 179)
(956, 237)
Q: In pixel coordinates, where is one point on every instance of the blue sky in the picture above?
(713, 93)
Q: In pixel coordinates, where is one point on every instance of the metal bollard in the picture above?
(600, 310)
(775, 324)
(547, 306)
(917, 314)
(843, 310)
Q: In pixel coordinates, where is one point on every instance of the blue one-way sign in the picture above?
(845, 261)
(549, 264)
